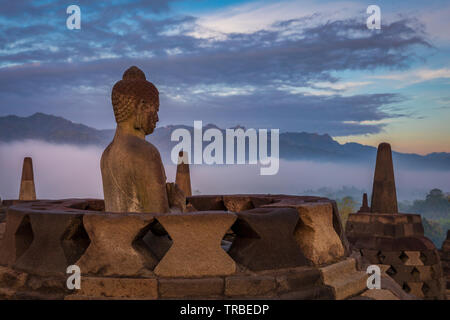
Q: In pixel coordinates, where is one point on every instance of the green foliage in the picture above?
(435, 206)
(434, 231)
(346, 206)
(435, 212)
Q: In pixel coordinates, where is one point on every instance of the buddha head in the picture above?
(136, 101)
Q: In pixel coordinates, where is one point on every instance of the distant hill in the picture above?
(293, 145)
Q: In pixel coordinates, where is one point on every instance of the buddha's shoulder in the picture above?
(132, 147)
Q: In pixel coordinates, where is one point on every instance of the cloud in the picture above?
(416, 76)
(247, 77)
(63, 171)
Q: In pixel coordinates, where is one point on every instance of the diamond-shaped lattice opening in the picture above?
(152, 242)
(415, 272)
(24, 236)
(404, 257)
(406, 288)
(75, 241)
(423, 258)
(391, 271)
(425, 289)
(381, 257)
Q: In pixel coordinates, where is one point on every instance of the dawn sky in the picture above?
(294, 65)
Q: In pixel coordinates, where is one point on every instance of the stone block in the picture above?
(319, 292)
(380, 294)
(116, 247)
(48, 253)
(196, 250)
(190, 288)
(17, 237)
(315, 234)
(250, 286)
(265, 239)
(12, 279)
(238, 203)
(2, 229)
(207, 203)
(119, 287)
(344, 279)
(413, 258)
(295, 281)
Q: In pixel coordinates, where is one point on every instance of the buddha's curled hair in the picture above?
(127, 92)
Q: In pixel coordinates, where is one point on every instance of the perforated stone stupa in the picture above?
(393, 240)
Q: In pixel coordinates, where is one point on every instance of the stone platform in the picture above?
(233, 246)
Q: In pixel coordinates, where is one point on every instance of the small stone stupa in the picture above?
(365, 205)
(27, 188)
(183, 177)
(384, 194)
(393, 240)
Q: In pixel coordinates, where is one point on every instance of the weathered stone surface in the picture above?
(17, 238)
(207, 203)
(345, 280)
(284, 201)
(295, 281)
(176, 198)
(318, 292)
(133, 174)
(384, 194)
(412, 258)
(414, 288)
(47, 253)
(446, 244)
(196, 248)
(12, 279)
(315, 233)
(2, 229)
(237, 203)
(45, 287)
(380, 294)
(116, 247)
(119, 288)
(445, 258)
(386, 225)
(250, 286)
(265, 239)
(27, 188)
(183, 176)
(191, 288)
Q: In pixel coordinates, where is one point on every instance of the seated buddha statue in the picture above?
(133, 174)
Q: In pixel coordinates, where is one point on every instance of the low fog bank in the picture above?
(66, 171)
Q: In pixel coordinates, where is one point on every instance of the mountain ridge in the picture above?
(293, 145)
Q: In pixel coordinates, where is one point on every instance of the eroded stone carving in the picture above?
(196, 249)
(315, 234)
(47, 253)
(117, 246)
(265, 239)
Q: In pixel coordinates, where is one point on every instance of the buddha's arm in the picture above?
(151, 182)
(177, 198)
